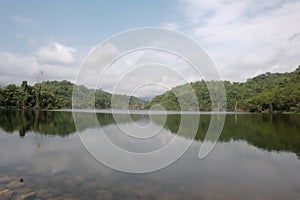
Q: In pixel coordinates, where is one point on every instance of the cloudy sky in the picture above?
(244, 38)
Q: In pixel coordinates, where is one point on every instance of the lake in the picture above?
(42, 157)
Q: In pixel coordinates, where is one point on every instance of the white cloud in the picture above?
(56, 54)
(23, 21)
(29, 39)
(147, 73)
(246, 38)
(102, 54)
(16, 67)
(171, 25)
(134, 73)
(95, 63)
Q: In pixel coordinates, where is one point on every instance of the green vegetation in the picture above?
(269, 92)
(58, 95)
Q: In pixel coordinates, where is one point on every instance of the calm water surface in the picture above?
(256, 157)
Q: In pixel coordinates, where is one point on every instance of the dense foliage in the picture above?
(269, 92)
(58, 94)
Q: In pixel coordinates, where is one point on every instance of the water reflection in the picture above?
(266, 131)
(42, 122)
(255, 158)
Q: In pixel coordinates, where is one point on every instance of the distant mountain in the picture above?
(147, 98)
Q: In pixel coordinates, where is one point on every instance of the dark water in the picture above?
(256, 157)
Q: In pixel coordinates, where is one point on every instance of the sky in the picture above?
(243, 38)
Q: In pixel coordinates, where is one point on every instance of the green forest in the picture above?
(58, 95)
(269, 92)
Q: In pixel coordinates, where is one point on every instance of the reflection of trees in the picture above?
(55, 123)
(42, 122)
(266, 131)
(38, 140)
(269, 132)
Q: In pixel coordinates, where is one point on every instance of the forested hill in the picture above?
(269, 92)
(58, 95)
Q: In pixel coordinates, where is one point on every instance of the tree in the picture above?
(39, 87)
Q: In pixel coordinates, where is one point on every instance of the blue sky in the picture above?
(76, 23)
(244, 38)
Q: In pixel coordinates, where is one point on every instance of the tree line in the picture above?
(269, 92)
(58, 95)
